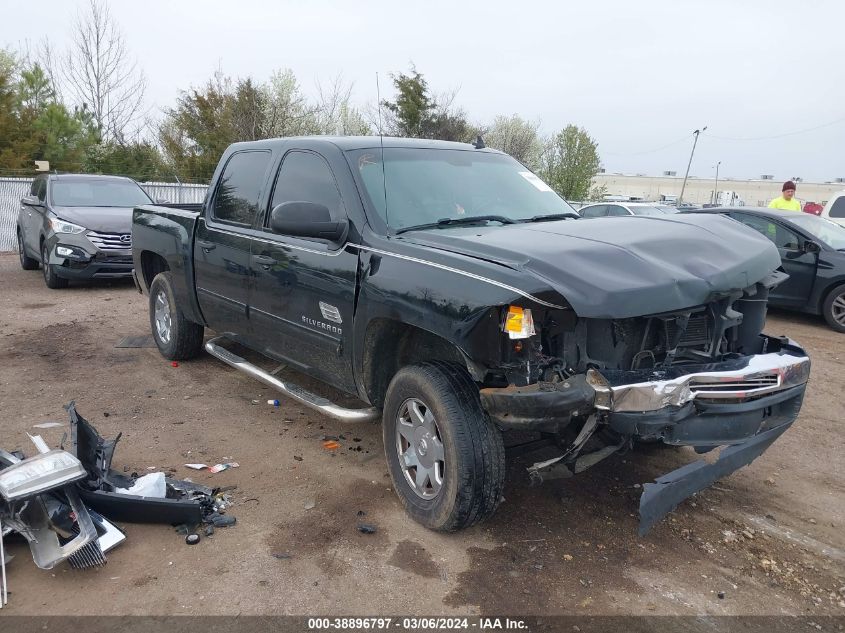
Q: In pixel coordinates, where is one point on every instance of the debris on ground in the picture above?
(217, 468)
(367, 528)
(47, 425)
(310, 504)
(331, 445)
(150, 485)
(79, 494)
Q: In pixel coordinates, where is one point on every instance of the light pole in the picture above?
(686, 175)
(716, 186)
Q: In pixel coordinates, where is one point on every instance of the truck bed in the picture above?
(163, 239)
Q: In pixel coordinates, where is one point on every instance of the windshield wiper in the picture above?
(553, 216)
(473, 219)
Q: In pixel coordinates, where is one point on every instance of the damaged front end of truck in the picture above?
(704, 376)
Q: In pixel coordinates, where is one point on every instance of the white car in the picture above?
(606, 209)
(834, 210)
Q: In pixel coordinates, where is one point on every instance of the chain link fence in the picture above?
(13, 188)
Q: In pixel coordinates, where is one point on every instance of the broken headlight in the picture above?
(39, 474)
(519, 323)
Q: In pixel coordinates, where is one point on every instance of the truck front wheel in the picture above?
(445, 457)
(177, 338)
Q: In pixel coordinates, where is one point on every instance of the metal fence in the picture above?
(12, 189)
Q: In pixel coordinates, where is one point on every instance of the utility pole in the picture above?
(716, 186)
(686, 175)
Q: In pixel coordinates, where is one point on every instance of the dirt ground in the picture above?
(568, 547)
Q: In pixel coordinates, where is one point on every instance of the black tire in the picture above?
(833, 308)
(184, 337)
(474, 455)
(50, 277)
(27, 262)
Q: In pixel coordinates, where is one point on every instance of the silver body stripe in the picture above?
(425, 262)
(460, 272)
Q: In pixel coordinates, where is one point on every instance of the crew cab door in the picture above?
(303, 298)
(799, 264)
(222, 242)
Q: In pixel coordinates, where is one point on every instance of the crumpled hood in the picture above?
(105, 219)
(622, 267)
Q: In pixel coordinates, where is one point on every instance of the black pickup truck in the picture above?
(452, 291)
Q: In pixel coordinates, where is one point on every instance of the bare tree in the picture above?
(517, 137)
(335, 113)
(101, 76)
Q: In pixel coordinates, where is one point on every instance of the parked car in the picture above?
(813, 208)
(612, 209)
(834, 210)
(78, 227)
(454, 292)
(812, 251)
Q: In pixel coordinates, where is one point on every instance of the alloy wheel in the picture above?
(420, 448)
(162, 318)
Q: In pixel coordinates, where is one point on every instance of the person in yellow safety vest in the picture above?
(787, 199)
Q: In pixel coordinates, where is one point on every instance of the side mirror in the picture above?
(32, 201)
(812, 247)
(307, 219)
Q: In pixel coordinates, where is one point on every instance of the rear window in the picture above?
(236, 197)
(97, 193)
(837, 209)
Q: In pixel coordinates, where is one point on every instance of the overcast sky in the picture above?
(637, 75)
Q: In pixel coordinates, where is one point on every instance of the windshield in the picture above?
(97, 193)
(426, 186)
(824, 230)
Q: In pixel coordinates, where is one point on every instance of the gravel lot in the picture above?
(563, 547)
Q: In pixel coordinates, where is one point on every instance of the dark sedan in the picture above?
(78, 227)
(812, 252)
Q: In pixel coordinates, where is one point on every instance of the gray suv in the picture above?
(78, 227)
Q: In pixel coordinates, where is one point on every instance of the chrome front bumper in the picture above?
(730, 381)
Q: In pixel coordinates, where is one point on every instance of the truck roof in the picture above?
(363, 142)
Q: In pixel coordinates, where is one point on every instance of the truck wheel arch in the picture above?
(390, 344)
(151, 265)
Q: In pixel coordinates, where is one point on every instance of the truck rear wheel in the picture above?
(177, 338)
(445, 457)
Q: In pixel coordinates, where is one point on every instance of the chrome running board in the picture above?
(289, 389)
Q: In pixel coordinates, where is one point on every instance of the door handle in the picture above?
(264, 261)
(206, 246)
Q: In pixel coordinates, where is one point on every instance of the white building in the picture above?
(703, 190)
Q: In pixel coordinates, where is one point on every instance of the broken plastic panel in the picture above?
(184, 502)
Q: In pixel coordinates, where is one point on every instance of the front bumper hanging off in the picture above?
(743, 404)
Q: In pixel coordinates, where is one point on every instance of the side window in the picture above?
(305, 177)
(617, 210)
(782, 237)
(598, 211)
(236, 197)
(837, 209)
